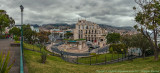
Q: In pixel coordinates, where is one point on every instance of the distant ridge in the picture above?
(72, 26)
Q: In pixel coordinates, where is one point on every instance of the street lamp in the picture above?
(21, 7)
(21, 47)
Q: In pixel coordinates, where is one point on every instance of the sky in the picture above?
(111, 12)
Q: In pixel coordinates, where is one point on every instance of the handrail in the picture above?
(21, 58)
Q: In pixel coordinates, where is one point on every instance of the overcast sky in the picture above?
(110, 12)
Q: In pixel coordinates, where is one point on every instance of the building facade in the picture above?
(90, 32)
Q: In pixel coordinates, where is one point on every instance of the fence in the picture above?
(99, 59)
(93, 58)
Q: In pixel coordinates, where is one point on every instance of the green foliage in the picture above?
(113, 38)
(15, 31)
(16, 38)
(137, 41)
(4, 61)
(43, 57)
(16, 41)
(43, 36)
(5, 20)
(118, 48)
(80, 39)
(68, 34)
(93, 54)
(110, 50)
(2, 36)
(127, 40)
(148, 18)
(27, 32)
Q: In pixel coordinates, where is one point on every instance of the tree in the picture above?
(68, 34)
(28, 33)
(141, 42)
(15, 31)
(113, 38)
(5, 20)
(148, 19)
(127, 40)
(119, 48)
(43, 36)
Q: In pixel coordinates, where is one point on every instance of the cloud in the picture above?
(110, 12)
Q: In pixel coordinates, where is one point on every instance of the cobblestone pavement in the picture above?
(14, 54)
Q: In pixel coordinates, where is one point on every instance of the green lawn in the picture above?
(33, 47)
(57, 65)
(99, 58)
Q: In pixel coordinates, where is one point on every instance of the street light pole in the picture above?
(21, 47)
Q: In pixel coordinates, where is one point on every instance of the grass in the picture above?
(57, 65)
(33, 47)
(99, 58)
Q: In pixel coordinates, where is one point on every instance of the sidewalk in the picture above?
(14, 54)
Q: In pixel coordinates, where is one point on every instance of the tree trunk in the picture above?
(143, 53)
(156, 54)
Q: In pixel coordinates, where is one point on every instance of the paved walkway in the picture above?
(14, 54)
(49, 47)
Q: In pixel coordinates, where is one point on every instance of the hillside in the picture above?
(72, 26)
(57, 65)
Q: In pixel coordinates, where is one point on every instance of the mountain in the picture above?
(117, 28)
(72, 26)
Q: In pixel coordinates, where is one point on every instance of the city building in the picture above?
(90, 32)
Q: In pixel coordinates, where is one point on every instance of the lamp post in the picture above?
(21, 47)
(21, 7)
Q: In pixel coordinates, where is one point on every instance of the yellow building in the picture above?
(90, 32)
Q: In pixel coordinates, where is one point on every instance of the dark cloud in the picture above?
(111, 12)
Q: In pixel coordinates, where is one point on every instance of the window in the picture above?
(79, 26)
(87, 27)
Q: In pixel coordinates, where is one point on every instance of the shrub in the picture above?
(43, 57)
(2, 36)
(16, 38)
(4, 60)
(93, 54)
(110, 50)
(119, 48)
